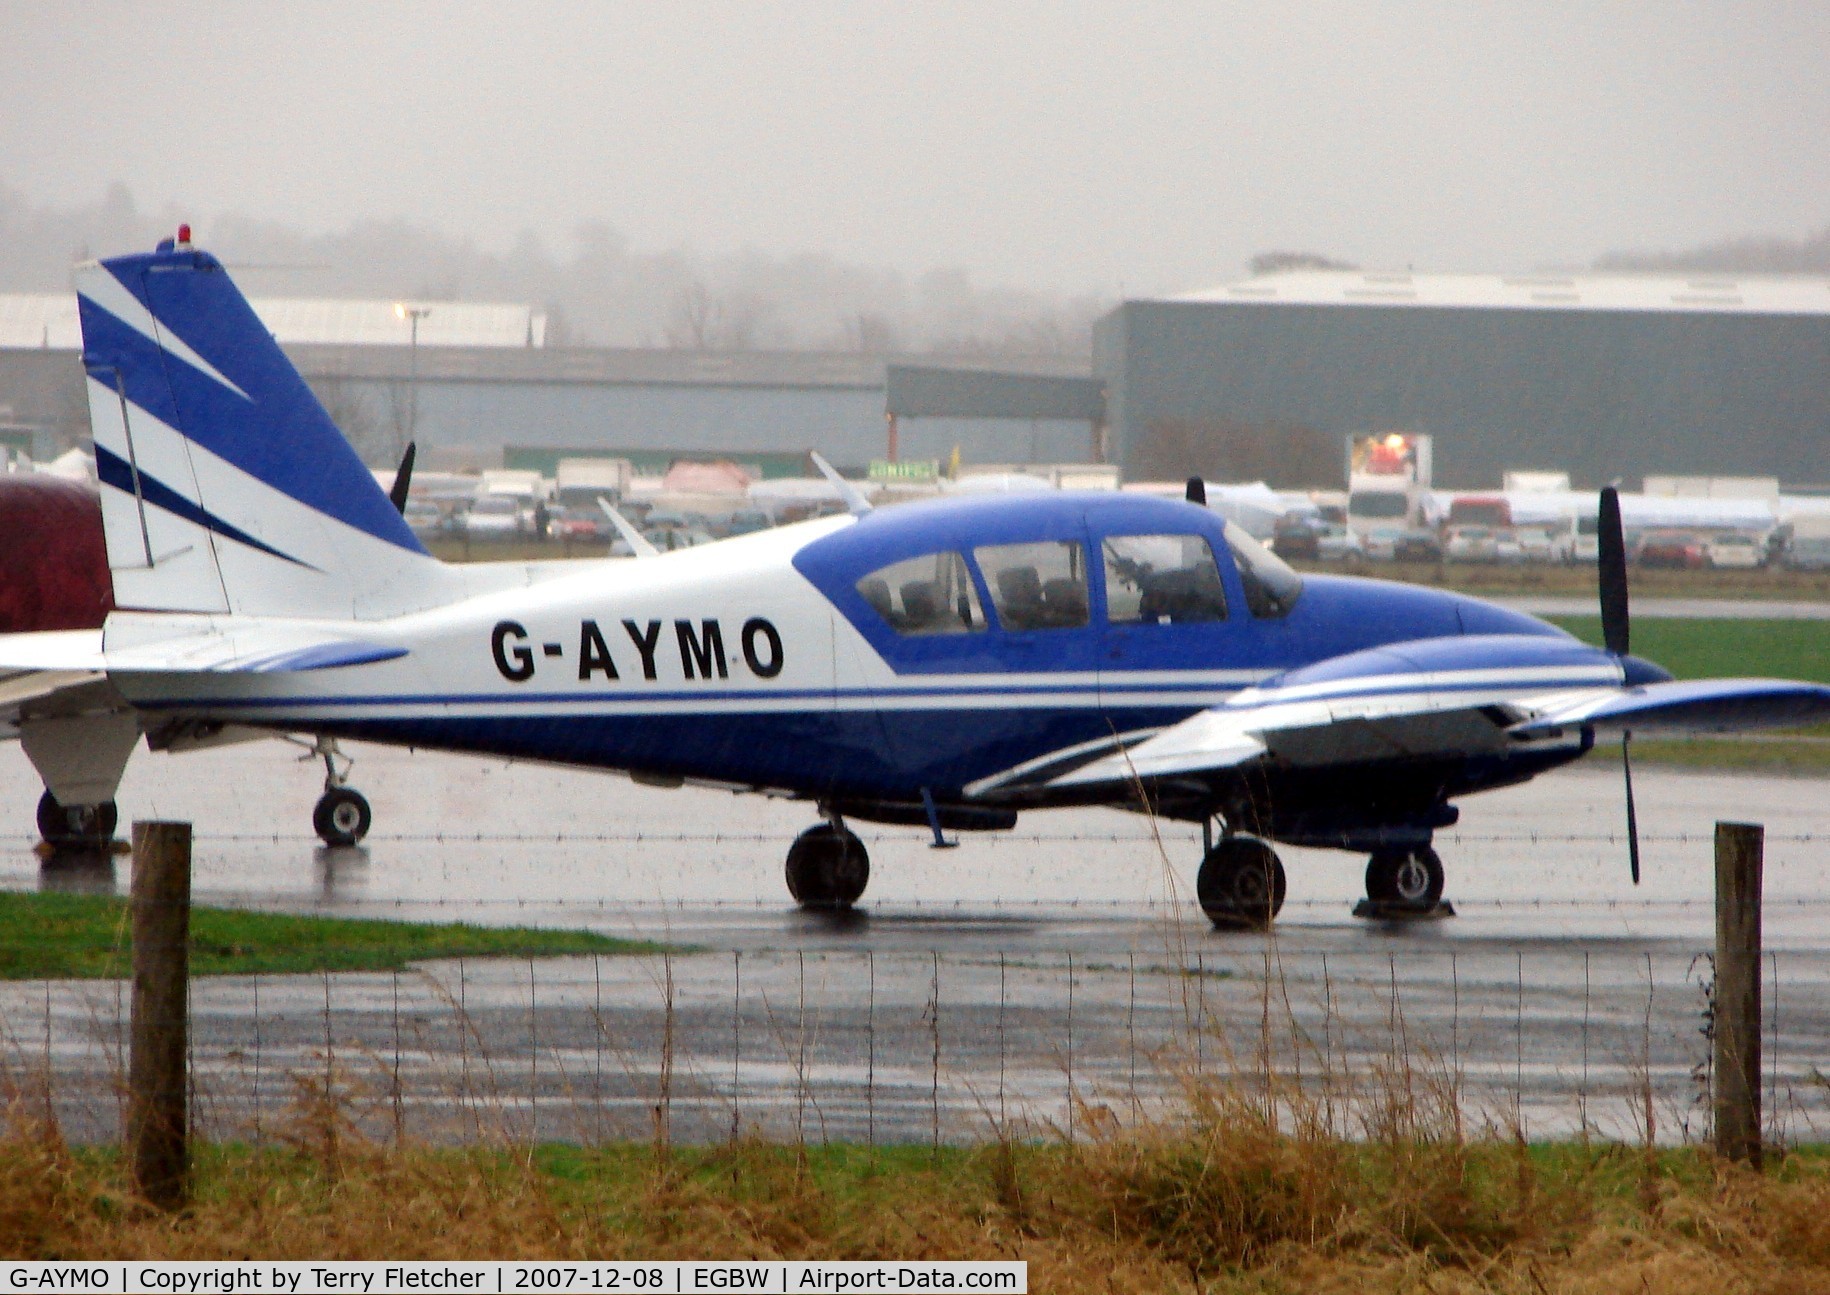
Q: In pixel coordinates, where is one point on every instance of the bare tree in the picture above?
(1280, 262)
(695, 313)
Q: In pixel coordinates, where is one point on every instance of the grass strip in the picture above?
(1216, 1206)
(1700, 649)
(84, 937)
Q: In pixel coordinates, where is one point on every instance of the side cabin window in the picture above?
(1271, 587)
(930, 594)
(1162, 580)
(1040, 586)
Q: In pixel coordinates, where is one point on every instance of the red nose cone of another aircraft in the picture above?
(53, 567)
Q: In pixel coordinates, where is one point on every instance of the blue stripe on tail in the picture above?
(280, 434)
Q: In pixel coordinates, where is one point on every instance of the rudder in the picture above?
(225, 485)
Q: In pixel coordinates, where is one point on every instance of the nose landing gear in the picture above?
(828, 867)
(1404, 882)
(342, 815)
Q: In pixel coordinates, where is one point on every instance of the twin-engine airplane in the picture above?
(947, 664)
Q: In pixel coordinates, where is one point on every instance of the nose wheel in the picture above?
(342, 816)
(1241, 883)
(1405, 880)
(828, 867)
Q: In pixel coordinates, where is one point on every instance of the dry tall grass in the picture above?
(1240, 1191)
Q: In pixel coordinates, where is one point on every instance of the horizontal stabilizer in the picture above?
(251, 649)
(1689, 706)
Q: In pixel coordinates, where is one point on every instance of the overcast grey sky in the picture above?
(1057, 145)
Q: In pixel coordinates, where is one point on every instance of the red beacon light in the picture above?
(184, 235)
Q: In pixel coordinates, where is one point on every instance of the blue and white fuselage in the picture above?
(951, 662)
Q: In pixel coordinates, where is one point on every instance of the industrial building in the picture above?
(1603, 376)
(477, 387)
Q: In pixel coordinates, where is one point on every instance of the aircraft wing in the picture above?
(1467, 696)
(1688, 706)
(49, 692)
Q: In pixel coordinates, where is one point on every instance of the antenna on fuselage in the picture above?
(1197, 491)
(855, 502)
(638, 546)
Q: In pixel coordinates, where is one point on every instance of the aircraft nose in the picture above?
(1640, 671)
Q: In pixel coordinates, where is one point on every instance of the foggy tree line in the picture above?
(600, 290)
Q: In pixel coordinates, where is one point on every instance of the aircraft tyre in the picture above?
(76, 825)
(828, 868)
(1409, 879)
(341, 817)
(1241, 883)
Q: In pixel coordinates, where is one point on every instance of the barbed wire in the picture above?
(919, 836)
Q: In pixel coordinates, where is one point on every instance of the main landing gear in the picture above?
(342, 816)
(828, 867)
(1241, 883)
(76, 827)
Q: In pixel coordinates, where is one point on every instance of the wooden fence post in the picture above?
(1740, 850)
(157, 1123)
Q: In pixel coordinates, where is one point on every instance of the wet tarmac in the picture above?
(1063, 962)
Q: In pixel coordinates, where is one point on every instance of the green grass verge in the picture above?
(1697, 649)
(81, 937)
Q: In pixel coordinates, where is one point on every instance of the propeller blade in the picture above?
(1626, 767)
(403, 479)
(1197, 491)
(1611, 555)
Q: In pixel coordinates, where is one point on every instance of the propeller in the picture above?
(1611, 567)
(403, 479)
(1197, 491)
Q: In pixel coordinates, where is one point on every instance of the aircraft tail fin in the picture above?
(225, 485)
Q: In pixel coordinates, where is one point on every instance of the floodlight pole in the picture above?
(412, 314)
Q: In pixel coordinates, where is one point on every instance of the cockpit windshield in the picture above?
(1271, 587)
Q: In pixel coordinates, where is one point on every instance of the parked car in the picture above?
(747, 522)
(580, 526)
(1470, 544)
(1335, 543)
(1418, 545)
(669, 538)
(492, 517)
(1536, 544)
(1808, 553)
(1737, 551)
(1296, 538)
(1680, 550)
(1380, 543)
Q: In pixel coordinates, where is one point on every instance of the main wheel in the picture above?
(341, 817)
(1241, 883)
(1405, 878)
(86, 825)
(827, 867)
